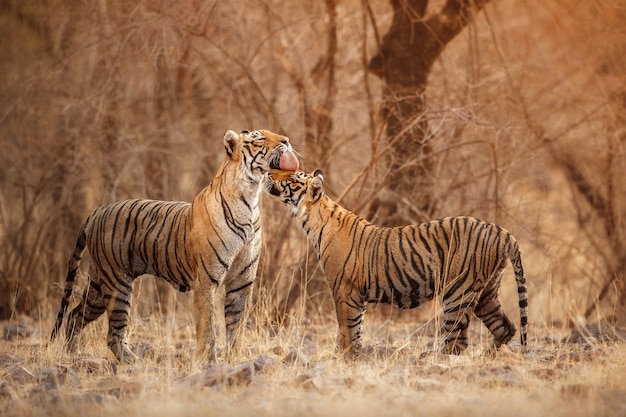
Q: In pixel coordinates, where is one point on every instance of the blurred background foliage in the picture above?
(509, 110)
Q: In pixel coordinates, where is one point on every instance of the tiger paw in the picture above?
(123, 354)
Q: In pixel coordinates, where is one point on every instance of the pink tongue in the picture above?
(289, 161)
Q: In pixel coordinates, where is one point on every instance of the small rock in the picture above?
(18, 374)
(96, 366)
(222, 374)
(241, 375)
(59, 376)
(16, 330)
(213, 375)
(317, 383)
(7, 358)
(115, 387)
(296, 357)
(265, 363)
(438, 369)
(44, 396)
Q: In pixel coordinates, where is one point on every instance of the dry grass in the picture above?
(295, 370)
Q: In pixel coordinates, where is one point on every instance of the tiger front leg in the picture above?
(236, 307)
(204, 309)
(350, 315)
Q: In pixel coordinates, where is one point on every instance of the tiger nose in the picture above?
(285, 141)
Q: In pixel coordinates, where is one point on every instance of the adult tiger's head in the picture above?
(259, 151)
(298, 190)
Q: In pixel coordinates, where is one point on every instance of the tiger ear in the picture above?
(316, 188)
(231, 141)
(319, 173)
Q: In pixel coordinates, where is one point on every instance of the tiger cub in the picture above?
(213, 241)
(459, 259)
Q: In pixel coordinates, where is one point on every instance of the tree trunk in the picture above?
(404, 61)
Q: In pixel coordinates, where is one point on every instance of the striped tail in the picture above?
(73, 264)
(522, 292)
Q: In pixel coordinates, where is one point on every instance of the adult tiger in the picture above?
(216, 240)
(460, 259)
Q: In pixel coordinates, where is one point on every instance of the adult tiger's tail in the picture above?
(522, 292)
(72, 269)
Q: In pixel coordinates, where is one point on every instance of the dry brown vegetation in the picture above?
(521, 122)
(294, 369)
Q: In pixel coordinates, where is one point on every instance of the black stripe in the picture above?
(217, 255)
(244, 286)
(206, 271)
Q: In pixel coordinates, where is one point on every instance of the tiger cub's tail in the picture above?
(72, 269)
(522, 292)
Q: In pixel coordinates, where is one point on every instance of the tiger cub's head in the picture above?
(298, 190)
(260, 151)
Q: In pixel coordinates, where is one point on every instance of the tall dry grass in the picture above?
(293, 369)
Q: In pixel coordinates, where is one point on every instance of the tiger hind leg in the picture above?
(455, 329)
(456, 319)
(500, 326)
(118, 304)
(89, 309)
